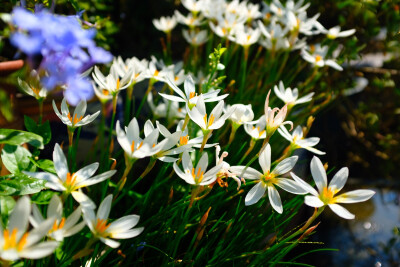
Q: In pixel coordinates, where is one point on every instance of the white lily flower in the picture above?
(193, 5)
(121, 228)
(195, 38)
(62, 227)
(190, 20)
(71, 183)
(225, 171)
(112, 83)
(326, 193)
(190, 96)
(335, 32)
(267, 180)
(198, 114)
(197, 176)
(34, 88)
(245, 36)
(78, 119)
(291, 96)
(16, 243)
(152, 72)
(252, 11)
(302, 24)
(256, 129)
(275, 36)
(297, 139)
(241, 114)
(317, 57)
(165, 24)
(136, 147)
(274, 122)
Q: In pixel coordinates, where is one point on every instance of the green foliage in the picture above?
(40, 129)
(17, 137)
(20, 184)
(16, 159)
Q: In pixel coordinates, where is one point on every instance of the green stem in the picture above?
(244, 70)
(185, 123)
(251, 147)
(128, 104)
(206, 135)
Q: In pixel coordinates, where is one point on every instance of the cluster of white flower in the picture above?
(275, 26)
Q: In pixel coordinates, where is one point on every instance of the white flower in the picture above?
(131, 66)
(112, 83)
(121, 228)
(190, 96)
(71, 183)
(165, 24)
(16, 243)
(297, 139)
(198, 114)
(256, 129)
(274, 122)
(291, 96)
(302, 24)
(62, 227)
(78, 119)
(193, 5)
(33, 88)
(197, 176)
(275, 36)
(195, 38)
(335, 32)
(225, 171)
(190, 20)
(152, 72)
(245, 37)
(317, 57)
(326, 194)
(136, 147)
(269, 179)
(241, 113)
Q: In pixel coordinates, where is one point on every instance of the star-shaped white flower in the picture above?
(71, 183)
(198, 175)
(335, 32)
(34, 88)
(273, 121)
(326, 193)
(121, 228)
(297, 139)
(291, 96)
(267, 180)
(256, 129)
(62, 227)
(16, 243)
(78, 119)
(316, 56)
(165, 24)
(190, 96)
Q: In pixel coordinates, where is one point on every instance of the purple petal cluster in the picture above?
(66, 48)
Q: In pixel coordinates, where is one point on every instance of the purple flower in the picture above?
(66, 48)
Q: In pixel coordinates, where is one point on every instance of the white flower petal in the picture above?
(265, 159)
(355, 196)
(285, 165)
(275, 199)
(104, 209)
(109, 242)
(123, 224)
(247, 173)
(128, 234)
(339, 180)
(83, 199)
(304, 185)
(60, 162)
(318, 173)
(313, 201)
(39, 251)
(255, 194)
(291, 186)
(342, 212)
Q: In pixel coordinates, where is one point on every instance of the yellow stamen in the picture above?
(10, 241)
(183, 140)
(105, 92)
(156, 73)
(133, 146)
(211, 120)
(118, 83)
(318, 58)
(22, 242)
(70, 179)
(101, 226)
(192, 94)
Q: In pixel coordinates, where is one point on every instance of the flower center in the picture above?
(210, 121)
(318, 58)
(327, 196)
(10, 240)
(70, 181)
(183, 140)
(198, 177)
(133, 146)
(101, 226)
(57, 226)
(268, 178)
(75, 120)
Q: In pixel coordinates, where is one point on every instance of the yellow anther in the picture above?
(101, 226)
(183, 140)
(133, 146)
(22, 242)
(192, 94)
(318, 58)
(70, 179)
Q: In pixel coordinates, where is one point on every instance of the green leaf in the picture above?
(20, 184)
(45, 164)
(16, 159)
(7, 203)
(17, 137)
(43, 130)
(43, 197)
